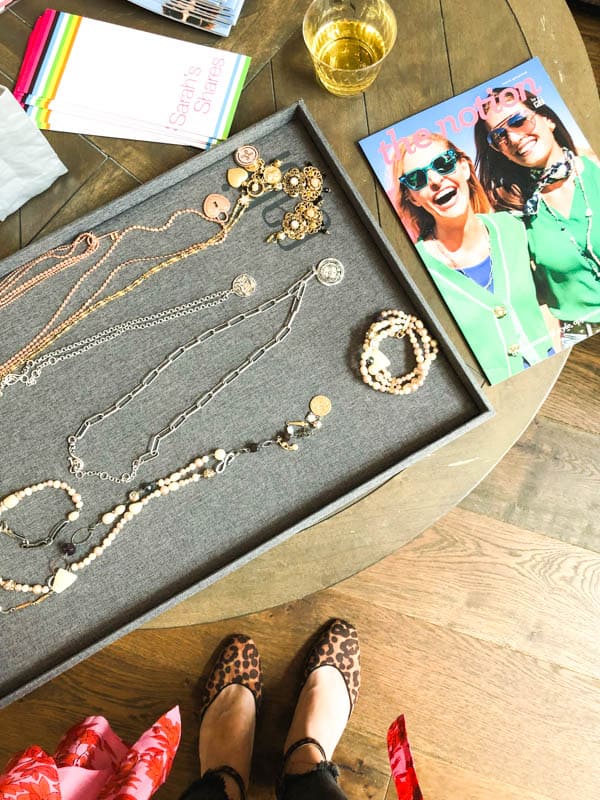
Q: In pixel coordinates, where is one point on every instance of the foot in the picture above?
(321, 713)
(228, 707)
(227, 735)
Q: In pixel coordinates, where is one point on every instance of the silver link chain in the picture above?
(31, 370)
(295, 291)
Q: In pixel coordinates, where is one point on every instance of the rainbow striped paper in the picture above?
(86, 76)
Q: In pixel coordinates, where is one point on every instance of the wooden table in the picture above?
(443, 48)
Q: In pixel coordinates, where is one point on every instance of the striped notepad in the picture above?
(86, 76)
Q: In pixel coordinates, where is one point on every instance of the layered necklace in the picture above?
(242, 286)
(586, 252)
(200, 469)
(253, 177)
(327, 272)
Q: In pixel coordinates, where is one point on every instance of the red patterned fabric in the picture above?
(401, 762)
(92, 763)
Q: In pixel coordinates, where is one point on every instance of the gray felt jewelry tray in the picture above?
(184, 542)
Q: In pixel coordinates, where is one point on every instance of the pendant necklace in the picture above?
(202, 468)
(243, 286)
(586, 252)
(253, 177)
(448, 258)
(328, 272)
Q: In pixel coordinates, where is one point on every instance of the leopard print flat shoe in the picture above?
(238, 662)
(336, 645)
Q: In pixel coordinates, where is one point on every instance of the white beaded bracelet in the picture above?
(374, 364)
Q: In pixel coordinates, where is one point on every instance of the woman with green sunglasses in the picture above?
(478, 259)
(528, 164)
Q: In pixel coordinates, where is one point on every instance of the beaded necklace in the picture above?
(201, 468)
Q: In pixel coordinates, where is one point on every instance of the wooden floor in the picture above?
(484, 632)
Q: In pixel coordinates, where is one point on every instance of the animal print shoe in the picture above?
(237, 662)
(336, 645)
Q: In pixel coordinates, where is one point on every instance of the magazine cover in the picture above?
(500, 193)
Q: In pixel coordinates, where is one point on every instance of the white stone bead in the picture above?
(111, 536)
(128, 516)
(136, 507)
(86, 561)
(220, 454)
(10, 501)
(55, 484)
(120, 509)
(28, 491)
(36, 588)
(25, 587)
(174, 476)
(108, 518)
(72, 516)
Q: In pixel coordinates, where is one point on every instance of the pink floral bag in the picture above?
(92, 763)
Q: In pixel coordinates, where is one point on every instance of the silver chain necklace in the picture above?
(242, 286)
(328, 272)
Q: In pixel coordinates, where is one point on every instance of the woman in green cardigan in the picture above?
(478, 260)
(528, 164)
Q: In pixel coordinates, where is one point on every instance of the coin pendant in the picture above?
(243, 285)
(216, 206)
(246, 156)
(329, 271)
(272, 174)
(320, 405)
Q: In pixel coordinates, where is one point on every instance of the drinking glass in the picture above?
(348, 41)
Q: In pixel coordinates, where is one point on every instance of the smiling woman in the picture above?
(528, 163)
(478, 260)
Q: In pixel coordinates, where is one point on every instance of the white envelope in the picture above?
(28, 165)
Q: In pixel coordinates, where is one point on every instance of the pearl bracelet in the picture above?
(374, 364)
(12, 501)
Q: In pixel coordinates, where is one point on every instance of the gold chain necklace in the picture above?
(253, 178)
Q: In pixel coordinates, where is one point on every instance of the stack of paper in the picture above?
(215, 16)
(85, 76)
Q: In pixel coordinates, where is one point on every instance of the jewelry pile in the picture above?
(253, 177)
(374, 364)
(201, 468)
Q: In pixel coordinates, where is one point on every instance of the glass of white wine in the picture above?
(348, 41)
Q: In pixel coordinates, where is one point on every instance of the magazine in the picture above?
(499, 191)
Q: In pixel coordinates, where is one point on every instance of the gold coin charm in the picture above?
(320, 405)
(216, 206)
(236, 176)
(246, 156)
(272, 175)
